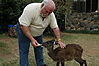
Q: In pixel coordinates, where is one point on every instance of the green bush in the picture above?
(10, 10)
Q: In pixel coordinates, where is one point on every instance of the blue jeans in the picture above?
(24, 44)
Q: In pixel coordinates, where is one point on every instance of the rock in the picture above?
(83, 21)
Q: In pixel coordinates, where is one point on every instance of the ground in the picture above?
(90, 42)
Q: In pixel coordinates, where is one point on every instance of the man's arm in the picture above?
(26, 31)
(57, 34)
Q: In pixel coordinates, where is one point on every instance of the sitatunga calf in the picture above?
(60, 55)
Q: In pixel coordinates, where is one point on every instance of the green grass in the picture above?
(4, 48)
(2, 44)
(90, 42)
(82, 31)
(3, 36)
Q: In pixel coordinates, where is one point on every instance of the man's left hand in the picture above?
(61, 44)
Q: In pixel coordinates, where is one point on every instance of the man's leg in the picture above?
(24, 44)
(39, 52)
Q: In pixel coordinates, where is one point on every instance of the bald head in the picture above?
(47, 7)
(49, 4)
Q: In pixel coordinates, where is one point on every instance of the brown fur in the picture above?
(70, 52)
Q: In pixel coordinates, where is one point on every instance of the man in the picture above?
(32, 23)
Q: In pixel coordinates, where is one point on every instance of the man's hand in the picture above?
(34, 43)
(61, 44)
(26, 31)
(57, 34)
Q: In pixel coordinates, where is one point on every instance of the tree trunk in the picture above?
(98, 5)
(91, 6)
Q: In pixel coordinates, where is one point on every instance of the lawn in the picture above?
(90, 43)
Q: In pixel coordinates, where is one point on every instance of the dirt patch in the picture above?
(10, 50)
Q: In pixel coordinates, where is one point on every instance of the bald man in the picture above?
(32, 23)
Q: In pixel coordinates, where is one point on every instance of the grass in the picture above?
(83, 31)
(90, 42)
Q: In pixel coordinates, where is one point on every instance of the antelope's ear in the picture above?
(56, 42)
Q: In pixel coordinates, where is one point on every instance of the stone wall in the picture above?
(98, 5)
(83, 21)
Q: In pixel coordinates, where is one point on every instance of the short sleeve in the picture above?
(53, 23)
(26, 18)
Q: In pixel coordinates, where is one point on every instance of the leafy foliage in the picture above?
(10, 11)
(63, 9)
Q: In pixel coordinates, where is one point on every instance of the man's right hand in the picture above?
(26, 31)
(34, 43)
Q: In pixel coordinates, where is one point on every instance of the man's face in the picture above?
(45, 11)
